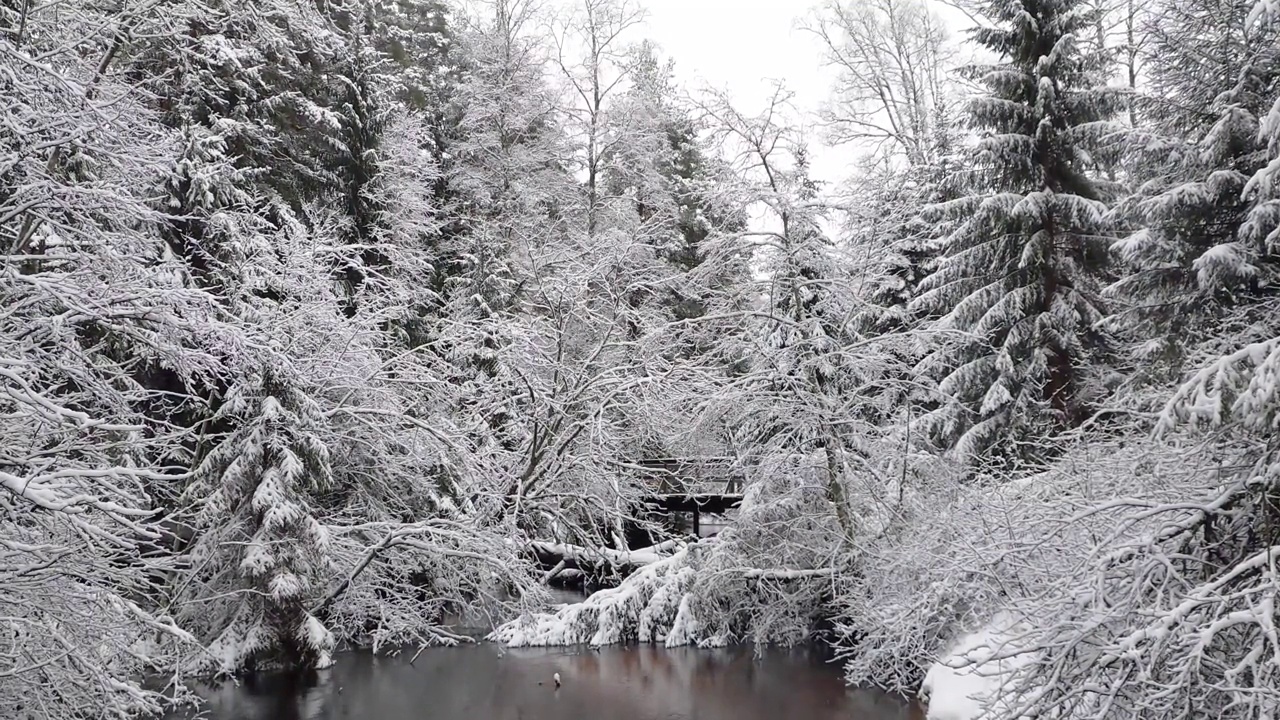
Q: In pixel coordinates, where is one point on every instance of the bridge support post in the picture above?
(696, 531)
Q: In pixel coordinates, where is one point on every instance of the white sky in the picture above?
(741, 45)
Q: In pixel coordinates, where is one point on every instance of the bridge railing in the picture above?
(692, 476)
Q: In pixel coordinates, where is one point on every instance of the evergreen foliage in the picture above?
(260, 545)
(1020, 276)
(1188, 265)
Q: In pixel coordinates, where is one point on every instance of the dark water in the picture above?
(488, 682)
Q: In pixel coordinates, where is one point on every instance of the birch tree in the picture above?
(891, 58)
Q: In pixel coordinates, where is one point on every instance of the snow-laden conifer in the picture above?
(1018, 283)
(1185, 263)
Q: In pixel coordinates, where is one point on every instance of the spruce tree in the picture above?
(1210, 72)
(1208, 645)
(258, 75)
(1018, 283)
(654, 159)
(884, 227)
(1261, 230)
(261, 550)
(360, 103)
(417, 36)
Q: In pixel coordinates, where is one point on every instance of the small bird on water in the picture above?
(556, 678)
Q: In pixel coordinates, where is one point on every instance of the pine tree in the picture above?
(1210, 74)
(1020, 275)
(654, 158)
(261, 549)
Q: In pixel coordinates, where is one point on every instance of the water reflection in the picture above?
(487, 682)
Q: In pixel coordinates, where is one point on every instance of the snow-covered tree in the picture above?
(419, 37)
(802, 392)
(657, 161)
(891, 60)
(1261, 231)
(1169, 602)
(360, 103)
(883, 225)
(550, 312)
(592, 55)
(1019, 279)
(99, 339)
(256, 74)
(1210, 77)
(508, 167)
(511, 185)
(261, 551)
(1174, 600)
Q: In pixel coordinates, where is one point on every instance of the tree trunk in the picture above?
(835, 490)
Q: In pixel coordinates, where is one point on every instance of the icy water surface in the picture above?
(488, 682)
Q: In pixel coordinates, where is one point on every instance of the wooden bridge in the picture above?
(698, 486)
(709, 485)
(713, 503)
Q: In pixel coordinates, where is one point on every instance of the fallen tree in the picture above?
(566, 556)
(690, 597)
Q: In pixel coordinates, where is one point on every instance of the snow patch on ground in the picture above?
(967, 680)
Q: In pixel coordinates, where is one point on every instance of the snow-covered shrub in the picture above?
(912, 594)
(964, 555)
(1082, 590)
(1172, 606)
(398, 583)
(768, 578)
(644, 607)
(79, 536)
(700, 596)
(68, 622)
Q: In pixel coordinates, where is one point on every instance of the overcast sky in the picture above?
(740, 45)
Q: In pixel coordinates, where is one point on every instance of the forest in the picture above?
(319, 317)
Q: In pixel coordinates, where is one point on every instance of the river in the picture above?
(489, 682)
(484, 681)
